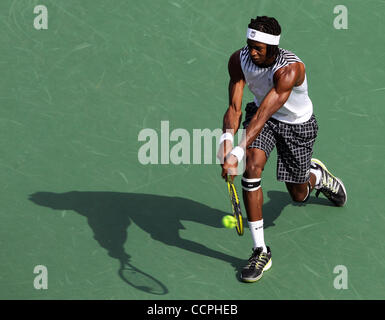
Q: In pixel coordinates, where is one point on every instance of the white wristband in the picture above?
(226, 136)
(238, 152)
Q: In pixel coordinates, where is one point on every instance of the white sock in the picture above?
(256, 229)
(318, 176)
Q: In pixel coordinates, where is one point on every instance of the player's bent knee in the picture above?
(298, 198)
(253, 171)
(301, 196)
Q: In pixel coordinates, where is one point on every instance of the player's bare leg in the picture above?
(260, 259)
(253, 200)
(322, 180)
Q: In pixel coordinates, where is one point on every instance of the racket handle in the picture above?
(230, 178)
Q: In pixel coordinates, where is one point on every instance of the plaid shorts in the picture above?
(294, 145)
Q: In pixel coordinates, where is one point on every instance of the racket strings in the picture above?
(236, 207)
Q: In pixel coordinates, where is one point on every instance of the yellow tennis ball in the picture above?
(229, 221)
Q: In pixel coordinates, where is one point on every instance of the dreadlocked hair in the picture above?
(267, 25)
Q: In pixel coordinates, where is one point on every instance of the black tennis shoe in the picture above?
(331, 186)
(258, 263)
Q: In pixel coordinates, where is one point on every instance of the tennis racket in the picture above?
(236, 207)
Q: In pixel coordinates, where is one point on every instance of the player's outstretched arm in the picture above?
(233, 115)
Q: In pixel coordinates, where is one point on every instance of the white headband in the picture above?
(262, 37)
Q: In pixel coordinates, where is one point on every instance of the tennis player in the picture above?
(281, 115)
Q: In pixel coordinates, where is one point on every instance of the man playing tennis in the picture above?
(281, 115)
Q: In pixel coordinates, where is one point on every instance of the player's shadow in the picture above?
(110, 213)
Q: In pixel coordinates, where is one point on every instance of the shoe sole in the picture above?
(266, 267)
(319, 162)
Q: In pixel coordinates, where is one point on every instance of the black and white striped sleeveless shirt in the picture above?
(298, 108)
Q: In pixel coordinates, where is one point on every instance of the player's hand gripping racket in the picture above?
(235, 205)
